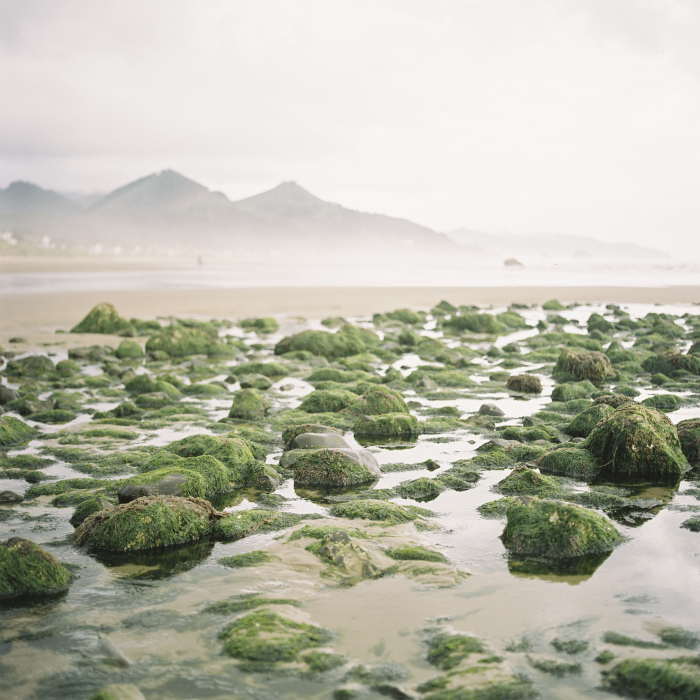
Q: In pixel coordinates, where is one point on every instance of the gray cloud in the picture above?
(576, 117)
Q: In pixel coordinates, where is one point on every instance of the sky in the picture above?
(561, 116)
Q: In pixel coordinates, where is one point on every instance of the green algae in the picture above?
(347, 341)
(266, 637)
(671, 363)
(493, 459)
(244, 602)
(27, 569)
(413, 552)
(570, 646)
(592, 365)
(318, 532)
(554, 530)
(195, 485)
(261, 325)
(379, 400)
(239, 561)
(390, 425)
(526, 383)
(248, 404)
(446, 651)
(571, 391)
(322, 661)
(331, 468)
(554, 668)
(497, 508)
(327, 401)
(420, 489)
(88, 507)
(14, 431)
(146, 523)
(582, 425)
(634, 440)
(655, 679)
(523, 480)
(240, 524)
(381, 511)
(663, 402)
(179, 342)
(622, 640)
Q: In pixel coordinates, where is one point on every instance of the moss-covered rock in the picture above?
(635, 440)
(179, 342)
(379, 400)
(612, 400)
(391, 425)
(423, 489)
(475, 323)
(242, 523)
(151, 522)
(382, 511)
(291, 432)
(144, 384)
(689, 437)
(553, 305)
(129, 350)
(555, 530)
(14, 431)
(574, 462)
(572, 390)
(27, 569)
(347, 341)
(447, 651)
(583, 424)
(667, 403)
(526, 383)
(88, 507)
(248, 404)
(34, 366)
(671, 363)
(655, 679)
(167, 481)
(265, 637)
(523, 480)
(335, 468)
(104, 318)
(272, 370)
(327, 401)
(592, 365)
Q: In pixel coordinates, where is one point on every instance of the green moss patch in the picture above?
(583, 424)
(574, 462)
(592, 365)
(390, 425)
(27, 569)
(239, 561)
(446, 651)
(266, 637)
(104, 318)
(414, 552)
(331, 468)
(381, 511)
(14, 431)
(523, 480)
(655, 679)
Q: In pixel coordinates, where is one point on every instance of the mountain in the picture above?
(548, 247)
(167, 211)
(25, 199)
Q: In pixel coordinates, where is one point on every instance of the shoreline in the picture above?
(20, 311)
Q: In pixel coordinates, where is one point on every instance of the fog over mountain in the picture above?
(169, 213)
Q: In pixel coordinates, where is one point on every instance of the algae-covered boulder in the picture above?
(104, 319)
(67, 368)
(553, 305)
(637, 440)
(523, 480)
(150, 522)
(34, 366)
(574, 462)
(27, 569)
(475, 323)
(290, 433)
(671, 363)
(667, 403)
(180, 342)
(583, 424)
(612, 400)
(272, 370)
(572, 390)
(181, 479)
(307, 441)
(379, 400)
(555, 530)
(350, 557)
(265, 637)
(349, 340)
(129, 350)
(254, 381)
(655, 679)
(248, 404)
(689, 437)
(584, 364)
(14, 431)
(336, 468)
(390, 425)
(144, 384)
(88, 507)
(382, 511)
(327, 401)
(526, 383)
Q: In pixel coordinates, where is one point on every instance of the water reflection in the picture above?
(573, 570)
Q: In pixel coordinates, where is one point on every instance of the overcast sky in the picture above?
(565, 116)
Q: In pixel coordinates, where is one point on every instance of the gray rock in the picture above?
(10, 497)
(312, 440)
(362, 457)
(490, 409)
(7, 395)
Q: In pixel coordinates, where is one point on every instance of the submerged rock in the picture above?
(104, 318)
(150, 522)
(634, 439)
(657, 679)
(490, 409)
(526, 383)
(27, 569)
(584, 364)
(265, 637)
(10, 497)
(350, 556)
(555, 530)
(336, 468)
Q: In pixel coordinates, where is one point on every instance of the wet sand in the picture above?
(64, 309)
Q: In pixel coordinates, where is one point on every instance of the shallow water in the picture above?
(138, 619)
